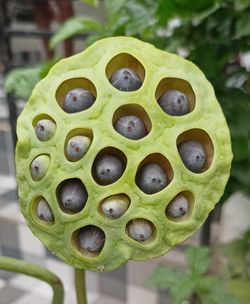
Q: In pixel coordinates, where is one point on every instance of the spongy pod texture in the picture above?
(144, 199)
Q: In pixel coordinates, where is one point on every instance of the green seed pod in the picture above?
(118, 239)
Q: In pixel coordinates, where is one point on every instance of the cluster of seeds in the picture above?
(115, 164)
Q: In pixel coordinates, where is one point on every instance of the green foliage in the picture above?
(22, 81)
(238, 256)
(74, 26)
(194, 285)
(91, 2)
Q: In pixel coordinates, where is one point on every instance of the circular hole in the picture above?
(42, 210)
(141, 230)
(72, 195)
(154, 173)
(196, 150)
(125, 72)
(39, 166)
(89, 240)
(114, 206)
(109, 165)
(76, 95)
(44, 126)
(175, 96)
(132, 121)
(180, 208)
(77, 144)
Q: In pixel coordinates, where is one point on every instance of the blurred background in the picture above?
(215, 35)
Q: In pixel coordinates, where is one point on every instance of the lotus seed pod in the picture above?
(91, 238)
(108, 169)
(174, 102)
(193, 155)
(125, 80)
(114, 164)
(151, 178)
(78, 100)
(77, 146)
(45, 129)
(131, 127)
(140, 230)
(73, 195)
(178, 207)
(39, 167)
(115, 206)
(44, 212)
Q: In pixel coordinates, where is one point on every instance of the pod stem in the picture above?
(80, 286)
(19, 266)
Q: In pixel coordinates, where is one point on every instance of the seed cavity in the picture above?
(125, 79)
(151, 178)
(91, 239)
(39, 167)
(115, 206)
(44, 211)
(131, 127)
(193, 155)
(140, 230)
(45, 129)
(108, 168)
(178, 207)
(77, 147)
(72, 195)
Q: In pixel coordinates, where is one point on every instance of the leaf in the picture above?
(94, 3)
(242, 26)
(112, 7)
(74, 26)
(179, 284)
(219, 296)
(46, 66)
(198, 259)
(164, 278)
(22, 81)
(240, 289)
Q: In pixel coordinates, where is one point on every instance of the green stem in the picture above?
(15, 265)
(80, 286)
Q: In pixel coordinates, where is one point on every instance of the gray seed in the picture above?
(193, 155)
(125, 79)
(45, 129)
(151, 178)
(178, 207)
(44, 212)
(108, 169)
(174, 102)
(78, 100)
(91, 239)
(140, 230)
(73, 195)
(77, 147)
(115, 206)
(131, 127)
(39, 167)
